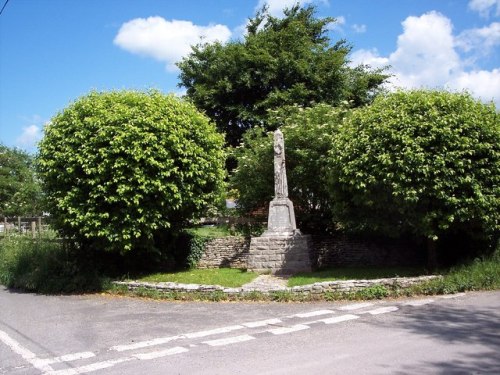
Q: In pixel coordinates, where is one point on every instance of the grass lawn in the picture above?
(212, 231)
(351, 273)
(227, 277)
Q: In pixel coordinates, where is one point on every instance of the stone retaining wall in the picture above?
(327, 251)
(342, 251)
(225, 252)
(316, 288)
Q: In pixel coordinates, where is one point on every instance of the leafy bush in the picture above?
(308, 136)
(121, 168)
(424, 162)
(44, 265)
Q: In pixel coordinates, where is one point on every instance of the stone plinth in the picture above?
(281, 220)
(285, 254)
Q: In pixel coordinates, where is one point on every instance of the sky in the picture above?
(54, 51)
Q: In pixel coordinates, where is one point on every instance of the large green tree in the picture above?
(20, 192)
(279, 62)
(421, 162)
(121, 167)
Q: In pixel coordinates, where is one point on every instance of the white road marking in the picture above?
(90, 368)
(145, 344)
(44, 364)
(229, 340)
(161, 353)
(313, 313)
(382, 310)
(210, 332)
(338, 319)
(68, 358)
(262, 323)
(25, 353)
(355, 306)
(419, 302)
(284, 330)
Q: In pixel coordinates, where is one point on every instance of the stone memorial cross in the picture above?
(281, 219)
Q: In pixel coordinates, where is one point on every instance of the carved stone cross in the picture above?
(281, 220)
(280, 182)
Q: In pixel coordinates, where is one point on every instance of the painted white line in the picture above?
(215, 331)
(90, 368)
(145, 344)
(449, 296)
(284, 330)
(382, 310)
(25, 353)
(161, 353)
(419, 302)
(338, 319)
(164, 340)
(355, 306)
(229, 340)
(68, 358)
(262, 323)
(313, 313)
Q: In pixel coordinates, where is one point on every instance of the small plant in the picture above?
(373, 292)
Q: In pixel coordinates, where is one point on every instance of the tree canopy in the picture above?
(425, 162)
(280, 62)
(120, 167)
(20, 192)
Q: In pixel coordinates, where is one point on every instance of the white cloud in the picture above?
(337, 25)
(418, 61)
(484, 7)
(360, 29)
(480, 40)
(276, 7)
(166, 41)
(484, 84)
(368, 57)
(30, 136)
(426, 56)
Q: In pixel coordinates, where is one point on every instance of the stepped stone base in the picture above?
(280, 254)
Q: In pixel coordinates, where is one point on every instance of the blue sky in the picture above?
(54, 51)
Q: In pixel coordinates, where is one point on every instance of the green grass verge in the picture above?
(228, 277)
(353, 273)
(481, 274)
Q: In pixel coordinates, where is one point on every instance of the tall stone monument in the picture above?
(281, 248)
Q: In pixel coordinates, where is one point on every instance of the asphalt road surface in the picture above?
(94, 334)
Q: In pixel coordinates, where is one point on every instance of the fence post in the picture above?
(19, 224)
(39, 226)
(5, 224)
(33, 228)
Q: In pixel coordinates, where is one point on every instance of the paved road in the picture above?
(66, 335)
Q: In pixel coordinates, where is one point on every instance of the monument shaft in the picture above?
(282, 248)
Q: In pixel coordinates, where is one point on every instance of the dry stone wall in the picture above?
(316, 288)
(326, 251)
(345, 251)
(225, 252)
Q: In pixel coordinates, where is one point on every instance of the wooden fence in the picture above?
(34, 225)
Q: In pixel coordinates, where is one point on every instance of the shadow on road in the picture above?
(452, 324)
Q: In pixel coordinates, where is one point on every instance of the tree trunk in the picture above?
(431, 255)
